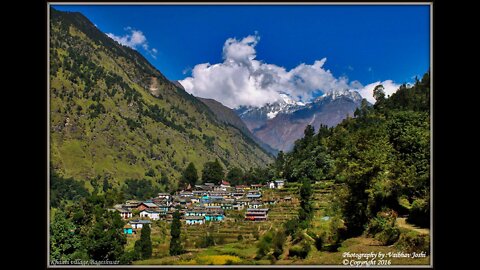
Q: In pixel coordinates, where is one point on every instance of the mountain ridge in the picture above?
(115, 116)
(290, 118)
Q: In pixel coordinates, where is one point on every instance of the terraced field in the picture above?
(229, 249)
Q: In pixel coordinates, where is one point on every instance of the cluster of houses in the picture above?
(200, 204)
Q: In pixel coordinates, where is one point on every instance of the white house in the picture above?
(125, 213)
(271, 185)
(151, 214)
(138, 224)
(192, 220)
(279, 183)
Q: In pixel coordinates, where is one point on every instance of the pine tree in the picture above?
(189, 176)
(175, 230)
(143, 246)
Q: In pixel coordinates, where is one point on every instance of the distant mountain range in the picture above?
(279, 124)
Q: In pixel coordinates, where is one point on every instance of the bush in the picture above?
(420, 213)
(319, 242)
(414, 242)
(207, 241)
(239, 237)
(383, 227)
(300, 251)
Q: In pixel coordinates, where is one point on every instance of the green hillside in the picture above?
(113, 115)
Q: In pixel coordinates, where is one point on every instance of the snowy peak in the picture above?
(339, 93)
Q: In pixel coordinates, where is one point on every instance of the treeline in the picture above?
(380, 158)
(214, 172)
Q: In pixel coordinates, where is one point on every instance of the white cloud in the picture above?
(367, 91)
(134, 39)
(242, 80)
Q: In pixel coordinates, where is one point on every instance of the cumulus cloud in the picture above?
(367, 91)
(134, 39)
(241, 79)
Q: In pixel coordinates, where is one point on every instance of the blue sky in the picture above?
(361, 43)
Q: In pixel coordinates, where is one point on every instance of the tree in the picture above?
(189, 176)
(143, 246)
(64, 242)
(309, 132)
(106, 240)
(306, 211)
(279, 164)
(175, 230)
(235, 176)
(213, 172)
(164, 178)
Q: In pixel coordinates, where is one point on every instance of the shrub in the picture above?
(207, 241)
(239, 237)
(420, 213)
(414, 242)
(383, 227)
(319, 242)
(300, 251)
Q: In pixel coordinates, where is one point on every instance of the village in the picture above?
(204, 203)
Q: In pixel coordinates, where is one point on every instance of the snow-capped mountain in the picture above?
(281, 123)
(255, 117)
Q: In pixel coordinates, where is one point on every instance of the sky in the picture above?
(250, 55)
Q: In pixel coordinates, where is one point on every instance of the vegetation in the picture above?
(86, 230)
(189, 176)
(62, 190)
(175, 244)
(143, 246)
(213, 172)
(235, 176)
(106, 119)
(380, 158)
(139, 189)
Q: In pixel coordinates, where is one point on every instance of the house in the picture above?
(186, 194)
(271, 185)
(146, 205)
(241, 188)
(279, 184)
(214, 216)
(256, 186)
(238, 206)
(164, 196)
(192, 220)
(127, 229)
(225, 205)
(255, 204)
(151, 214)
(131, 204)
(225, 184)
(195, 200)
(254, 196)
(125, 213)
(238, 194)
(243, 201)
(260, 214)
(268, 201)
(196, 212)
(138, 224)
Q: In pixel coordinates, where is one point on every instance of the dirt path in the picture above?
(402, 223)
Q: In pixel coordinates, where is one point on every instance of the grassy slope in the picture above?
(84, 147)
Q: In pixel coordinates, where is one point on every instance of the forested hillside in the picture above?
(114, 116)
(380, 158)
